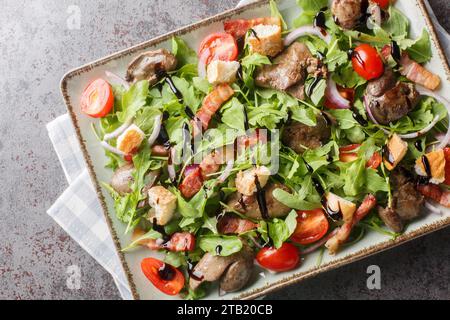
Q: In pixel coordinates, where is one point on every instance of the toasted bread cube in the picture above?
(163, 204)
(246, 180)
(436, 160)
(397, 151)
(220, 72)
(130, 140)
(266, 40)
(338, 204)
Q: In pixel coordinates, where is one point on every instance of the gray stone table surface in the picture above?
(36, 49)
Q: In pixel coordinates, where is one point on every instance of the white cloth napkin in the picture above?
(78, 210)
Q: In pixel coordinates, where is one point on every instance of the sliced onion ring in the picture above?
(110, 148)
(305, 31)
(119, 130)
(319, 244)
(117, 80)
(156, 130)
(432, 208)
(226, 173)
(334, 96)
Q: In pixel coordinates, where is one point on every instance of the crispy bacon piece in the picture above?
(192, 183)
(238, 28)
(234, 225)
(418, 74)
(344, 231)
(211, 104)
(436, 194)
(179, 242)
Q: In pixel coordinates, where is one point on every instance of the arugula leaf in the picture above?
(318, 91)
(233, 114)
(312, 5)
(335, 56)
(420, 50)
(185, 55)
(346, 76)
(280, 231)
(293, 201)
(145, 118)
(228, 244)
(132, 100)
(397, 25)
(304, 115)
(276, 13)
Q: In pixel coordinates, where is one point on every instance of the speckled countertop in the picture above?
(36, 49)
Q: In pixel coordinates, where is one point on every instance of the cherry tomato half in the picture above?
(97, 99)
(367, 62)
(447, 165)
(218, 46)
(346, 154)
(311, 227)
(346, 93)
(154, 269)
(384, 4)
(279, 260)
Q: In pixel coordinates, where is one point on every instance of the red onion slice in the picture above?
(227, 172)
(189, 169)
(119, 130)
(320, 243)
(111, 148)
(432, 208)
(171, 166)
(117, 80)
(305, 31)
(333, 95)
(156, 130)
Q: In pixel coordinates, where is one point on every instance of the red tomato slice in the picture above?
(279, 260)
(218, 46)
(345, 154)
(384, 4)
(447, 165)
(311, 227)
(367, 62)
(97, 99)
(152, 270)
(375, 161)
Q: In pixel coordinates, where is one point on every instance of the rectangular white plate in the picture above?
(75, 81)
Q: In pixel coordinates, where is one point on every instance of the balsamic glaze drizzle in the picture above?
(319, 22)
(190, 269)
(261, 198)
(166, 272)
(161, 230)
(418, 145)
(313, 86)
(395, 51)
(426, 165)
(335, 215)
(359, 118)
(219, 249)
(253, 33)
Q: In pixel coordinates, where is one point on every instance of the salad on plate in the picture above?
(272, 141)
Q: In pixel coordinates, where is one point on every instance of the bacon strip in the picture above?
(234, 225)
(179, 242)
(211, 104)
(418, 74)
(238, 28)
(436, 194)
(344, 231)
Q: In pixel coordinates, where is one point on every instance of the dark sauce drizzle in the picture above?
(319, 21)
(359, 118)
(166, 272)
(426, 165)
(162, 231)
(313, 86)
(418, 145)
(253, 33)
(219, 249)
(261, 198)
(395, 51)
(335, 215)
(190, 269)
(387, 155)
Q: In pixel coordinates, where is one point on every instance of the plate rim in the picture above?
(286, 281)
